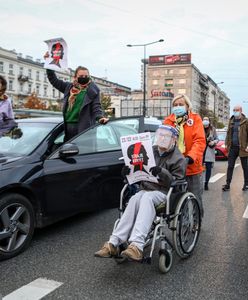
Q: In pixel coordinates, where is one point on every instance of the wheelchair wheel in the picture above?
(165, 261)
(187, 225)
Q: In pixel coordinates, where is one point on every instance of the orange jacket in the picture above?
(194, 138)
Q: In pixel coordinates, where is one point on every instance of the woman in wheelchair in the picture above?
(137, 219)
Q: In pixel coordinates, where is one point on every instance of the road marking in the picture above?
(245, 215)
(219, 175)
(35, 290)
(216, 177)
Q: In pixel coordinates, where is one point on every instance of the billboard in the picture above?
(170, 59)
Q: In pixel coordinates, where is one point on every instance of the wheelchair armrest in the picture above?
(179, 185)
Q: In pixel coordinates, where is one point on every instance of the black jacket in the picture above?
(91, 110)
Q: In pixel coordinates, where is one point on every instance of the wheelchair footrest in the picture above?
(147, 260)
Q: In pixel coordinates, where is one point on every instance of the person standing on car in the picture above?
(237, 145)
(191, 142)
(209, 154)
(81, 107)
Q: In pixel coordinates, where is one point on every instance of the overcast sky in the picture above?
(215, 32)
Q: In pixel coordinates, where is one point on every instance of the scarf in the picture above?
(179, 123)
(75, 90)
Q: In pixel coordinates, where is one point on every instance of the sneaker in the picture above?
(245, 188)
(108, 250)
(132, 252)
(206, 187)
(226, 187)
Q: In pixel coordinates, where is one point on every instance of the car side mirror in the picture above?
(68, 150)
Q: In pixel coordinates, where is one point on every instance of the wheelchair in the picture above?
(180, 213)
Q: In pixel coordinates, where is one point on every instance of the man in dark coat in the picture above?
(237, 145)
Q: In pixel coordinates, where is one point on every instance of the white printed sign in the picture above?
(57, 60)
(138, 155)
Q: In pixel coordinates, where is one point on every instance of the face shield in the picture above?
(165, 137)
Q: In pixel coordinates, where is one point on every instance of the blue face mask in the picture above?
(205, 123)
(179, 111)
(236, 114)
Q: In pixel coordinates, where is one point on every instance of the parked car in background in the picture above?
(220, 149)
(43, 180)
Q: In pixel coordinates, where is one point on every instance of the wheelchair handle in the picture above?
(179, 183)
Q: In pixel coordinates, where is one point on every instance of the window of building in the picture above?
(29, 73)
(37, 90)
(168, 71)
(182, 91)
(21, 71)
(155, 82)
(29, 88)
(45, 91)
(11, 85)
(45, 77)
(182, 81)
(53, 93)
(155, 73)
(182, 71)
(1, 66)
(37, 75)
(21, 87)
(168, 82)
(11, 72)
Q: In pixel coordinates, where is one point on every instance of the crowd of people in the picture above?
(185, 147)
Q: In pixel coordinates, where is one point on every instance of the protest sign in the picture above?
(138, 155)
(57, 60)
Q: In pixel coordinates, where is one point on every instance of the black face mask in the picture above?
(83, 80)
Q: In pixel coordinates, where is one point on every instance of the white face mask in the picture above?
(205, 123)
(236, 114)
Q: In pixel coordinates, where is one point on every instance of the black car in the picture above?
(43, 180)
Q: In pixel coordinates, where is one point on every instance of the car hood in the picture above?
(6, 160)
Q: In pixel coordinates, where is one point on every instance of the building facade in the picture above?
(26, 76)
(169, 75)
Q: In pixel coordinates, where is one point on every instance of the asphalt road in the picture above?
(218, 269)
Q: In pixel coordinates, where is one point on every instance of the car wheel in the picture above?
(16, 225)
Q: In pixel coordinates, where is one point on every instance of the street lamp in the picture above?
(215, 102)
(144, 71)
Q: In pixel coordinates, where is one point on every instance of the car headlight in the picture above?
(223, 146)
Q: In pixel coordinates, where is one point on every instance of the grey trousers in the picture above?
(137, 218)
(195, 186)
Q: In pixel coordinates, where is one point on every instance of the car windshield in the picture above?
(221, 136)
(24, 139)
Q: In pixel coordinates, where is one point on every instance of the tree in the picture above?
(106, 105)
(33, 102)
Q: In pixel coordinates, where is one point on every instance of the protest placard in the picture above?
(57, 60)
(138, 155)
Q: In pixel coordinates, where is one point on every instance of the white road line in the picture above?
(216, 177)
(35, 290)
(245, 215)
(219, 175)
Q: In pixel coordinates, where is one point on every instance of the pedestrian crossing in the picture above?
(35, 290)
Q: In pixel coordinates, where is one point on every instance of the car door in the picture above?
(91, 179)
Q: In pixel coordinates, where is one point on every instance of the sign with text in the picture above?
(138, 156)
(171, 59)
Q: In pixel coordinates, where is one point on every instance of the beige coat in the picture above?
(243, 135)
